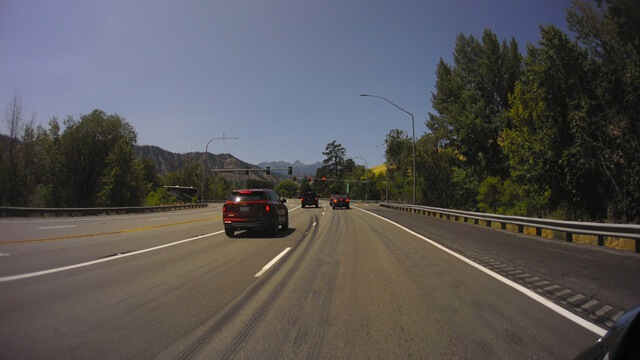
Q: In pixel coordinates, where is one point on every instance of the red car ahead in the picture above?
(339, 201)
(250, 209)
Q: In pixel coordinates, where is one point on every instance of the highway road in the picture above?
(368, 282)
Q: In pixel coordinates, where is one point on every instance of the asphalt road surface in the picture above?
(338, 284)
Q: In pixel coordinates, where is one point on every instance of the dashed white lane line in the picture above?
(64, 268)
(56, 227)
(5, 254)
(549, 304)
(272, 262)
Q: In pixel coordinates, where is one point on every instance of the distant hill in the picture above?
(167, 161)
(299, 169)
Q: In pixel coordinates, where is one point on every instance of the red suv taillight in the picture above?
(347, 200)
(267, 208)
(224, 208)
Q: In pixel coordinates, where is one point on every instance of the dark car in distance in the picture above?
(309, 199)
(254, 209)
(339, 201)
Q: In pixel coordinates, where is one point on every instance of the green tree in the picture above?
(335, 166)
(85, 147)
(542, 105)
(188, 174)
(471, 100)
(220, 188)
(472, 97)
(287, 188)
(336, 163)
(607, 129)
(123, 180)
(436, 164)
(399, 161)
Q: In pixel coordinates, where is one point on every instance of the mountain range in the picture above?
(167, 161)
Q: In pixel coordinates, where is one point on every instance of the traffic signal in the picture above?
(268, 170)
(290, 170)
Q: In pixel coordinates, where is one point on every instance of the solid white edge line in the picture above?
(272, 262)
(64, 268)
(576, 319)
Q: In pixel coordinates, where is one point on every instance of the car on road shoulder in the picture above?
(309, 199)
(254, 209)
(340, 201)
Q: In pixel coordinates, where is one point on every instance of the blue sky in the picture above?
(282, 76)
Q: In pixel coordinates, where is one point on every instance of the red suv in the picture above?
(254, 209)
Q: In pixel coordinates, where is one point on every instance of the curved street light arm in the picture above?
(413, 129)
(204, 161)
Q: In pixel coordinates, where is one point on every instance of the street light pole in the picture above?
(204, 161)
(366, 166)
(413, 129)
(386, 174)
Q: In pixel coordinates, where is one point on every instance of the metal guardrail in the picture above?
(569, 228)
(29, 212)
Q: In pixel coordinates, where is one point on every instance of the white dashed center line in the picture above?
(272, 262)
(56, 227)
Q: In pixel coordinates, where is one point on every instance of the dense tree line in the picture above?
(553, 133)
(91, 163)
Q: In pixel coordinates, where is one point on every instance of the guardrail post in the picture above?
(638, 245)
(448, 217)
(475, 221)
(538, 231)
(601, 240)
(520, 228)
(488, 223)
(568, 237)
(466, 219)
(503, 226)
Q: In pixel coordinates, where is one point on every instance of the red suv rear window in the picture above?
(243, 196)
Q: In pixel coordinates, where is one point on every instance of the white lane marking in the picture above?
(64, 268)
(96, 218)
(56, 227)
(272, 262)
(5, 254)
(162, 218)
(576, 319)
